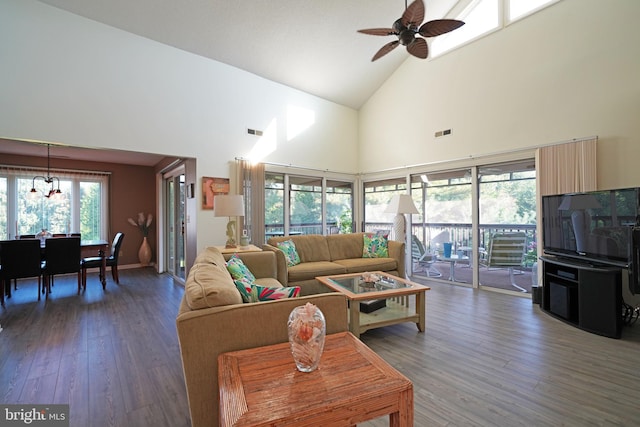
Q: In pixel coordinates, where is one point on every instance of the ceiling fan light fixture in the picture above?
(409, 30)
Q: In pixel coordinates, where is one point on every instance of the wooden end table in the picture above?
(262, 387)
(392, 288)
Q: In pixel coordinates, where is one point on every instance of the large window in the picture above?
(377, 195)
(313, 205)
(81, 208)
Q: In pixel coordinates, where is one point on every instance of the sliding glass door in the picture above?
(175, 222)
(493, 245)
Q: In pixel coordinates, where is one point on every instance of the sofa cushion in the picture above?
(238, 270)
(310, 270)
(290, 252)
(375, 246)
(244, 287)
(310, 247)
(268, 281)
(360, 265)
(345, 246)
(268, 293)
(210, 285)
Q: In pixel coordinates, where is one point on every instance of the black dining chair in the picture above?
(61, 256)
(111, 261)
(19, 259)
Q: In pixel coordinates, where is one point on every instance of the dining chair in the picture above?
(61, 256)
(27, 236)
(19, 259)
(111, 261)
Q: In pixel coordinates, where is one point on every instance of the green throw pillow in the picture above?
(265, 293)
(290, 252)
(238, 270)
(244, 287)
(375, 246)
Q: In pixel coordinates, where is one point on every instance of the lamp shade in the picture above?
(401, 204)
(228, 205)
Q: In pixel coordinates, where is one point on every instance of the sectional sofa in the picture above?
(333, 254)
(212, 319)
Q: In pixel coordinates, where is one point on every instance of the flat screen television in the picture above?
(595, 227)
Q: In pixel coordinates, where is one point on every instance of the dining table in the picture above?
(88, 248)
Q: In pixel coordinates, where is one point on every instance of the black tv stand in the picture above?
(586, 296)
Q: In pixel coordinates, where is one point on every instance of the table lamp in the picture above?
(400, 204)
(230, 206)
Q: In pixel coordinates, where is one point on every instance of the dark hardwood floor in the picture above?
(486, 358)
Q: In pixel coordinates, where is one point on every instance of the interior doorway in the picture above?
(175, 222)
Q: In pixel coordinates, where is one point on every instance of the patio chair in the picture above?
(422, 260)
(506, 250)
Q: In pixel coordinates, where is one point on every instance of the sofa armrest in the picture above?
(261, 264)
(397, 251)
(281, 263)
(205, 334)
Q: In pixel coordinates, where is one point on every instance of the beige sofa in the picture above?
(212, 320)
(333, 254)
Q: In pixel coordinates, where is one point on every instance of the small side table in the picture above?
(262, 387)
(250, 248)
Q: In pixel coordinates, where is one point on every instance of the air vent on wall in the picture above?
(443, 133)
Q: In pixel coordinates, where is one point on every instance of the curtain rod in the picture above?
(284, 165)
(38, 168)
(471, 156)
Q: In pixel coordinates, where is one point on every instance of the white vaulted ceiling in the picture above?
(310, 45)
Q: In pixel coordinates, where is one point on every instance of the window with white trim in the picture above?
(81, 208)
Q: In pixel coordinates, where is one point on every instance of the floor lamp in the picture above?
(231, 206)
(400, 205)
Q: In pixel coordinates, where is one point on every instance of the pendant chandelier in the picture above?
(54, 193)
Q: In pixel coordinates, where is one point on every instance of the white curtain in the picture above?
(250, 179)
(567, 168)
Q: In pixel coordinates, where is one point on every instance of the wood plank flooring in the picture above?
(486, 359)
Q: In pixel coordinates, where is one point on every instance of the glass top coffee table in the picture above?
(395, 290)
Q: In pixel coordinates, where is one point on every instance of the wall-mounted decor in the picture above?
(212, 187)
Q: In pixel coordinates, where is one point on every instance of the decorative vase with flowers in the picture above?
(144, 224)
(307, 329)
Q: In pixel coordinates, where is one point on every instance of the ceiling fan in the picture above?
(407, 29)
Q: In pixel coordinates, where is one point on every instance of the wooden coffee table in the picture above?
(262, 387)
(392, 288)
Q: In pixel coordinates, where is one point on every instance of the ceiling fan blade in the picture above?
(439, 26)
(378, 31)
(418, 48)
(385, 49)
(413, 15)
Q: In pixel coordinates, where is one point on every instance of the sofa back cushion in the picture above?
(345, 246)
(209, 284)
(310, 247)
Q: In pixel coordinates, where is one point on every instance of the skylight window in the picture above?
(480, 17)
(520, 8)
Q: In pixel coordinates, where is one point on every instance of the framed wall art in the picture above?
(212, 187)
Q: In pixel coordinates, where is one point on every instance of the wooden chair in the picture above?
(506, 250)
(61, 256)
(112, 261)
(19, 259)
